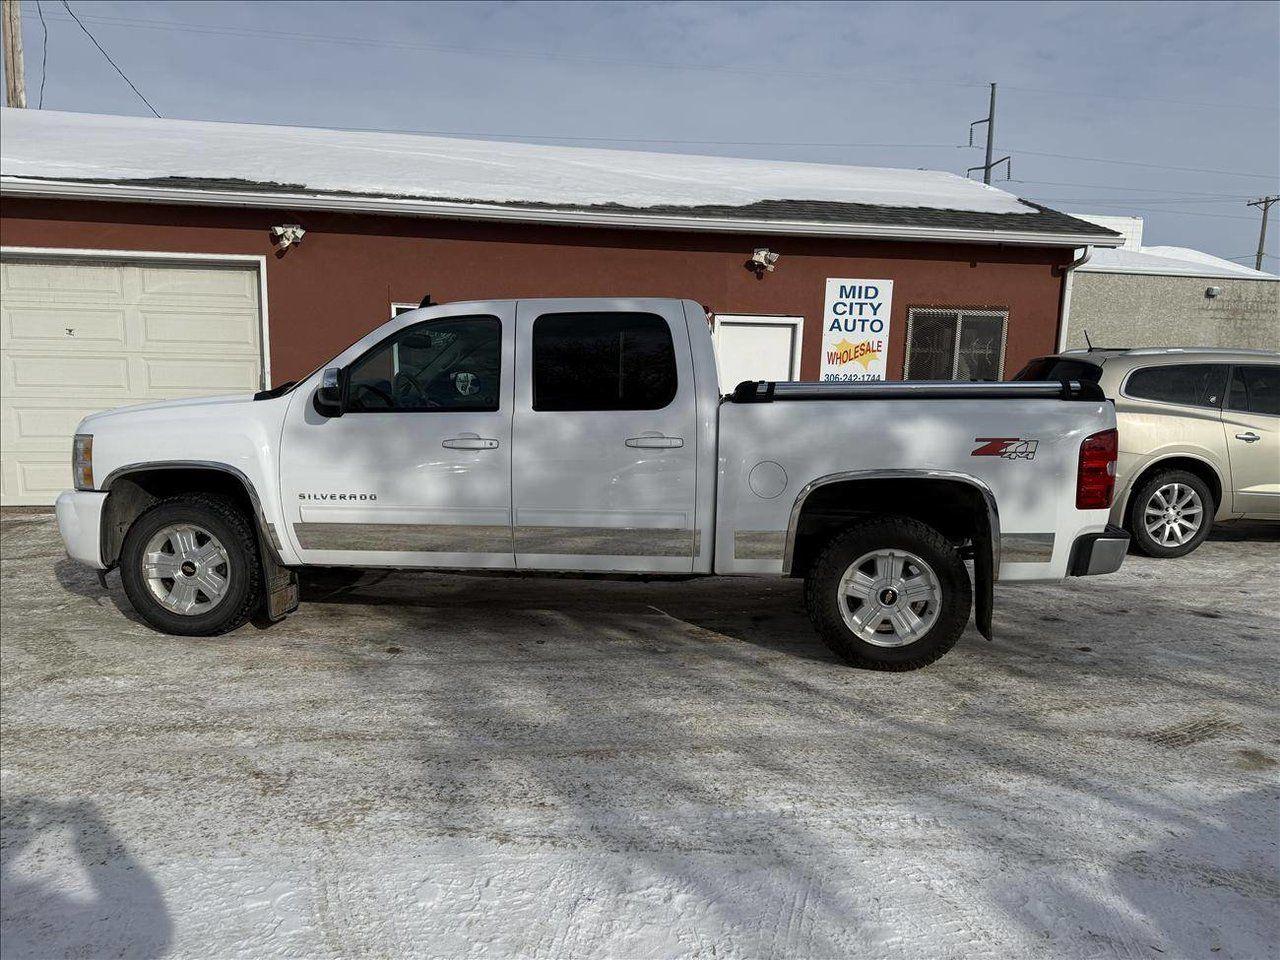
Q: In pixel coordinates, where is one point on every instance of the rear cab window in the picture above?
(1186, 384)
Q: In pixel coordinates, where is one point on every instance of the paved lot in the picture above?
(456, 766)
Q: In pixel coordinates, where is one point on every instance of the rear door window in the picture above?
(602, 361)
(1256, 389)
(1189, 384)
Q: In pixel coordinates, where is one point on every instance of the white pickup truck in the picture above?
(590, 436)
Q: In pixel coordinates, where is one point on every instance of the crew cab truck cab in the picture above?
(590, 436)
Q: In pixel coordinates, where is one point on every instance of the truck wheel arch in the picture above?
(822, 507)
(131, 489)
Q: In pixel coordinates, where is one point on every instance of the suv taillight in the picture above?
(1096, 476)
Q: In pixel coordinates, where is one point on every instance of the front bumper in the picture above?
(1096, 553)
(80, 523)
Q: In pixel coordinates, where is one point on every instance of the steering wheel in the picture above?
(377, 392)
(419, 394)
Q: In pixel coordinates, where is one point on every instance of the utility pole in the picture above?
(15, 84)
(1265, 203)
(990, 121)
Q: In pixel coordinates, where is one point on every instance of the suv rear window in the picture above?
(1190, 384)
(1056, 368)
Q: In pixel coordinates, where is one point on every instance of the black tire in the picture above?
(1142, 540)
(222, 518)
(823, 597)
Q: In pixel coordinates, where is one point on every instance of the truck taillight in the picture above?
(1096, 476)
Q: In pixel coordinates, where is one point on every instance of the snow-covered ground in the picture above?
(480, 767)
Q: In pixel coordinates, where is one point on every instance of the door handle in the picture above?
(655, 442)
(1248, 437)
(470, 441)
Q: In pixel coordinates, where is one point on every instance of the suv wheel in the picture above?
(1171, 514)
(190, 566)
(889, 594)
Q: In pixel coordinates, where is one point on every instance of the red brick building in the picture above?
(140, 260)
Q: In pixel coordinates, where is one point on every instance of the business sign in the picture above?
(855, 329)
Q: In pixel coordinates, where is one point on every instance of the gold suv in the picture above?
(1199, 437)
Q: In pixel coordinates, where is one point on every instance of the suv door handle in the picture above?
(470, 441)
(1248, 437)
(655, 442)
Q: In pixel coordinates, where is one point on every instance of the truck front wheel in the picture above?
(889, 594)
(190, 566)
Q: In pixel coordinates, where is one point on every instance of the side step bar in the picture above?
(768, 391)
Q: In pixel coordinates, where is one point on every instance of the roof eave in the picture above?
(409, 207)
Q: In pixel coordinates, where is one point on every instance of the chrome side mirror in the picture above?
(328, 399)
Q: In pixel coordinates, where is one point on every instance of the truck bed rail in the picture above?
(770, 391)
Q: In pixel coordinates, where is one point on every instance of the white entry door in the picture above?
(78, 335)
(757, 348)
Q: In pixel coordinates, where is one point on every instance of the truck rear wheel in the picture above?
(190, 566)
(889, 594)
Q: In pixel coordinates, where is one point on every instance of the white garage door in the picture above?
(78, 336)
(757, 348)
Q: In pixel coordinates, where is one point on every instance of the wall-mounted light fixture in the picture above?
(287, 234)
(762, 259)
(1213, 292)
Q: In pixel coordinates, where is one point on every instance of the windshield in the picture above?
(1059, 368)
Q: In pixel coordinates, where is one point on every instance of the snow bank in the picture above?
(46, 144)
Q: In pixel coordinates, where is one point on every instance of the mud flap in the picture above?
(983, 585)
(281, 586)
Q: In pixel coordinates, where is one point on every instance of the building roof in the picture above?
(1171, 262)
(45, 153)
(1128, 227)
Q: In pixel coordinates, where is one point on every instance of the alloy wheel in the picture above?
(186, 569)
(1173, 515)
(889, 597)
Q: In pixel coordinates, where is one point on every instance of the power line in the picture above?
(109, 60)
(1184, 213)
(749, 69)
(1135, 163)
(44, 54)
(1131, 189)
(1130, 200)
(258, 34)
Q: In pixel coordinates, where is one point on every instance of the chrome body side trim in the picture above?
(498, 538)
(993, 511)
(1027, 547)
(759, 544)
(606, 541)
(405, 537)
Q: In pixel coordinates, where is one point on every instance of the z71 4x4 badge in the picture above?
(1011, 448)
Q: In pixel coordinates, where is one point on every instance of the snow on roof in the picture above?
(1172, 262)
(70, 146)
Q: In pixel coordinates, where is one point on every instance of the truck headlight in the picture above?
(82, 461)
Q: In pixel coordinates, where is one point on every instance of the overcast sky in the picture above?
(1181, 99)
